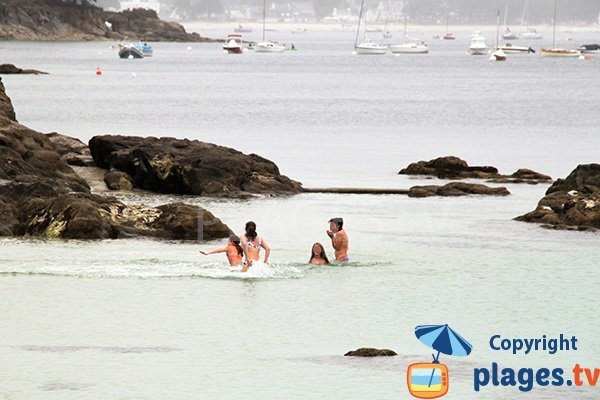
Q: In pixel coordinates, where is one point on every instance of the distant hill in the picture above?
(71, 20)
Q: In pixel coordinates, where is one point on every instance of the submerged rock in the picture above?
(41, 195)
(182, 166)
(370, 352)
(456, 189)
(571, 203)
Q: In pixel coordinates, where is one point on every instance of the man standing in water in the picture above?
(339, 239)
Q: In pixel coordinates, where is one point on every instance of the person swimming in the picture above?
(339, 239)
(251, 244)
(233, 251)
(318, 256)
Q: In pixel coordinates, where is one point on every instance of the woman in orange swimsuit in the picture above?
(233, 250)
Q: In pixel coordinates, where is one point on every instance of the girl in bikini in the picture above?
(251, 244)
(233, 250)
(318, 256)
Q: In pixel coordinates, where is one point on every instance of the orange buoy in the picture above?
(98, 71)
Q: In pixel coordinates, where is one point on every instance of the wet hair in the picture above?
(236, 242)
(251, 231)
(323, 255)
(338, 221)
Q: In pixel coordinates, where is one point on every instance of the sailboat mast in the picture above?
(497, 29)
(264, 18)
(405, 23)
(554, 29)
(362, 3)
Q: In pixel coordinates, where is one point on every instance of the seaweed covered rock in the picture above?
(570, 203)
(182, 166)
(370, 352)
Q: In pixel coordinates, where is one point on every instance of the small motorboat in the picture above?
(130, 52)
(145, 48)
(233, 44)
(268, 47)
(590, 49)
(477, 46)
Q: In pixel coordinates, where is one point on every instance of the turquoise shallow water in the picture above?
(143, 319)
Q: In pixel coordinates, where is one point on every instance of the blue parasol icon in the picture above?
(443, 339)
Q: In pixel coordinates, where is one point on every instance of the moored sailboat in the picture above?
(557, 51)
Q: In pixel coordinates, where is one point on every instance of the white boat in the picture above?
(233, 44)
(409, 47)
(370, 47)
(269, 47)
(477, 46)
(557, 51)
(509, 48)
(367, 46)
(509, 35)
(531, 33)
(266, 46)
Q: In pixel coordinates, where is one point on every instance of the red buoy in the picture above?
(98, 71)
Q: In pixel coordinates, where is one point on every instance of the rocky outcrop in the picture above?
(370, 352)
(118, 180)
(451, 167)
(571, 203)
(8, 69)
(456, 189)
(181, 166)
(41, 195)
(72, 151)
(60, 20)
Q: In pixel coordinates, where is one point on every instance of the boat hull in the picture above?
(476, 51)
(370, 48)
(268, 47)
(409, 48)
(130, 52)
(559, 53)
(517, 49)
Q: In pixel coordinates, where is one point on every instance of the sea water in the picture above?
(148, 319)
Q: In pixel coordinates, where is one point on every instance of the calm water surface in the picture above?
(143, 319)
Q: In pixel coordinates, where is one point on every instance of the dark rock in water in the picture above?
(181, 166)
(72, 151)
(118, 180)
(11, 69)
(41, 195)
(523, 175)
(456, 189)
(571, 203)
(449, 167)
(80, 20)
(370, 352)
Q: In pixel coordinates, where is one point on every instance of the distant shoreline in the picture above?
(256, 26)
